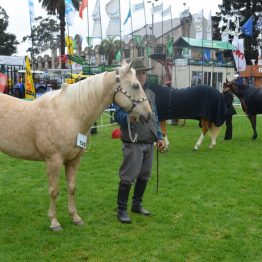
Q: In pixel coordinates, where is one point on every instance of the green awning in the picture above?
(213, 44)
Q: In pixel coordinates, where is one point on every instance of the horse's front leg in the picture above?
(53, 167)
(70, 172)
(253, 121)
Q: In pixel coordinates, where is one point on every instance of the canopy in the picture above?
(213, 44)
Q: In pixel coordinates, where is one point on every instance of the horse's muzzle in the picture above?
(145, 118)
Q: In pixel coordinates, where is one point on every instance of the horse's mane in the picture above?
(80, 93)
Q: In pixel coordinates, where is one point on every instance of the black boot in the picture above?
(122, 199)
(137, 198)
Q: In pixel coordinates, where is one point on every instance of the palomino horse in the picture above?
(48, 128)
(251, 101)
(203, 103)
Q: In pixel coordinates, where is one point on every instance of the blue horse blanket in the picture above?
(194, 102)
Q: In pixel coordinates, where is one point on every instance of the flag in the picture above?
(97, 29)
(170, 45)
(259, 24)
(118, 55)
(148, 50)
(209, 27)
(31, 10)
(69, 44)
(167, 11)
(112, 10)
(82, 6)
(156, 9)
(207, 54)
(74, 44)
(29, 82)
(198, 23)
(225, 33)
(137, 39)
(247, 28)
(138, 7)
(89, 41)
(238, 54)
(69, 12)
(128, 15)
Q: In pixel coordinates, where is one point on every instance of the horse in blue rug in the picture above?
(251, 101)
(203, 103)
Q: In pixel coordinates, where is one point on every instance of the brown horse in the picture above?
(54, 127)
(203, 103)
(251, 101)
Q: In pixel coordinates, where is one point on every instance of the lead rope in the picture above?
(133, 140)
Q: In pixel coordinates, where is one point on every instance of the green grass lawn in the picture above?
(208, 208)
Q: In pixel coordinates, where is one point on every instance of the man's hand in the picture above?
(132, 119)
(160, 145)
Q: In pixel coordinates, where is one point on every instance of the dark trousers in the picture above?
(228, 133)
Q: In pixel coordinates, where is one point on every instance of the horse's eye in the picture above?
(135, 86)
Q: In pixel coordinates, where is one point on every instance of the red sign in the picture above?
(3, 82)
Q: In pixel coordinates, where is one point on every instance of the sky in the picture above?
(19, 22)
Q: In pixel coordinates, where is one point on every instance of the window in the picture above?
(140, 51)
(127, 53)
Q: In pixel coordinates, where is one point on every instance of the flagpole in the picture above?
(88, 41)
(145, 30)
(120, 27)
(132, 33)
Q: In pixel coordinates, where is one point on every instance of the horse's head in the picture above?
(236, 88)
(130, 95)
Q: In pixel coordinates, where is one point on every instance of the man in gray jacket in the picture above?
(137, 156)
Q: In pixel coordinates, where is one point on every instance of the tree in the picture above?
(8, 41)
(242, 10)
(109, 47)
(57, 7)
(45, 33)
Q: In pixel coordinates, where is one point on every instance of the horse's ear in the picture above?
(227, 80)
(130, 65)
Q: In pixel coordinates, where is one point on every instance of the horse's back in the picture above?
(254, 102)
(194, 102)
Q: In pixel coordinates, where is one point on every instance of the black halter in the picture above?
(119, 89)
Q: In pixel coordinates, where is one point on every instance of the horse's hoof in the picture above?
(55, 228)
(79, 223)
(195, 148)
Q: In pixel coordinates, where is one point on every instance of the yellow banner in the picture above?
(69, 44)
(29, 82)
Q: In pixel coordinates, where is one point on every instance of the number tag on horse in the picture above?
(81, 140)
